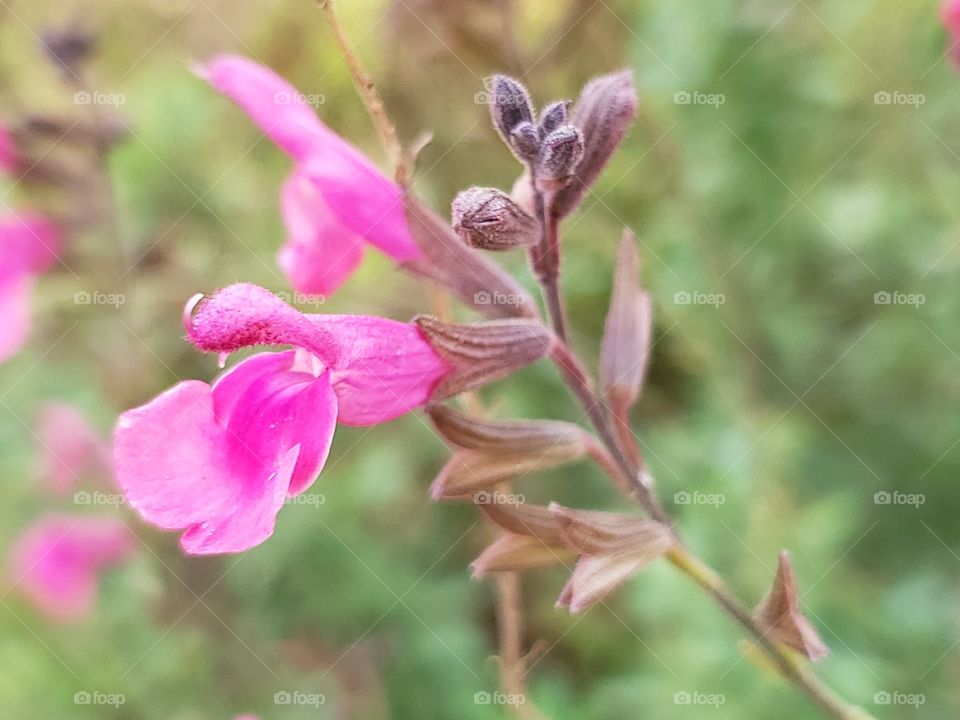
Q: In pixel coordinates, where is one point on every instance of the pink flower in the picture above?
(28, 246)
(950, 16)
(56, 562)
(336, 201)
(219, 461)
(68, 447)
(9, 157)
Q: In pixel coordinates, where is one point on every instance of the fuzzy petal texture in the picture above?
(219, 462)
(380, 368)
(320, 253)
(55, 563)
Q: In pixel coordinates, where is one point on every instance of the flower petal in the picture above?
(320, 253)
(55, 562)
(15, 311)
(385, 369)
(219, 462)
(29, 243)
(68, 445)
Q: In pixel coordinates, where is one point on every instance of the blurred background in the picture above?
(792, 178)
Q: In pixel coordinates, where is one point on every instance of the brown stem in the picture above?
(545, 259)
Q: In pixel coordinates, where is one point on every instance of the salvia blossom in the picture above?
(56, 562)
(28, 246)
(950, 16)
(9, 157)
(336, 201)
(68, 446)
(219, 461)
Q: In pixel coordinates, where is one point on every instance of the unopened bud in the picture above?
(69, 47)
(469, 471)
(509, 105)
(560, 154)
(512, 552)
(488, 219)
(483, 352)
(474, 433)
(552, 116)
(780, 616)
(525, 142)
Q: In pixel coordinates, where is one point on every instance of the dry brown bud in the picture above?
(489, 219)
(526, 519)
(627, 337)
(474, 279)
(519, 552)
(603, 113)
(483, 352)
(780, 616)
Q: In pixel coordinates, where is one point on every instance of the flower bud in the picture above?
(525, 142)
(488, 219)
(553, 116)
(474, 433)
(467, 274)
(483, 352)
(560, 154)
(509, 105)
(603, 114)
(779, 615)
(512, 552)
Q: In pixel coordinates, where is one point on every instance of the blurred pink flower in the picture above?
(28, 246)
(336, 200)
(68, 446)
(219, 461)
(9, 157)
(950, 16)
(55, 563)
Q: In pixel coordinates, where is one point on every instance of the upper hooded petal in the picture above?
(219, 462)
(320, 252)
(55, 562)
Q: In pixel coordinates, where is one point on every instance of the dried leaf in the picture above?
(779, 614)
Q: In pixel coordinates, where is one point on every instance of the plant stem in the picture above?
(545, 259)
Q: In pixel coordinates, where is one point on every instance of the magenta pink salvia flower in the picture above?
(219, 461)
(28, 246)
(56, 562)
(336, 201)
(950, 16)
(68, 446)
